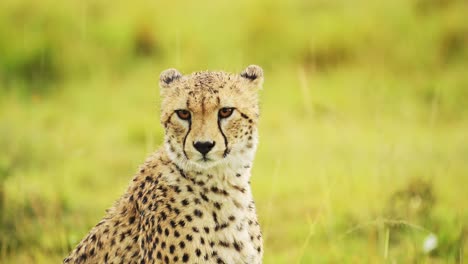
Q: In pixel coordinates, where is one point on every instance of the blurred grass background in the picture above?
(363, 143)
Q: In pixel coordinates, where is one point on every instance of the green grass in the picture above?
(363, 149)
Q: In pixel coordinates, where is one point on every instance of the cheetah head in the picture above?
(210, 118)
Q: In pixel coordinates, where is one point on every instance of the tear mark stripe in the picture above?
(186, 135)
(226, 149)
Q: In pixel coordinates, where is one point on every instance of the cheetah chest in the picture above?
(203, 225)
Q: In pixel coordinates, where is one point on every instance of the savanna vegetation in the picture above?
(363, 154)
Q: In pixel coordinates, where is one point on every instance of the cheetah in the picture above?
(191, 201)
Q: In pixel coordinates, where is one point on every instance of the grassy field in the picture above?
(363, 137)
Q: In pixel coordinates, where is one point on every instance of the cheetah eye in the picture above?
(183, 114)
(225, 112)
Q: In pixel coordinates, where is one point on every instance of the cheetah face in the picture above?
(210, 118)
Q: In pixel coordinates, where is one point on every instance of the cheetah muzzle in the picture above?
(190, 202)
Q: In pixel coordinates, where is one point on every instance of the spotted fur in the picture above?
(184, 206)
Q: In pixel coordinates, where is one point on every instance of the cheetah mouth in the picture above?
(205, 160)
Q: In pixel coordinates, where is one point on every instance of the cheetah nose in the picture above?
(203, 146)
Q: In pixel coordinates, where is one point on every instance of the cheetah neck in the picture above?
(226, 179)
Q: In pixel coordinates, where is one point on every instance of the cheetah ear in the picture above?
(168, 76)
(253, 74)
